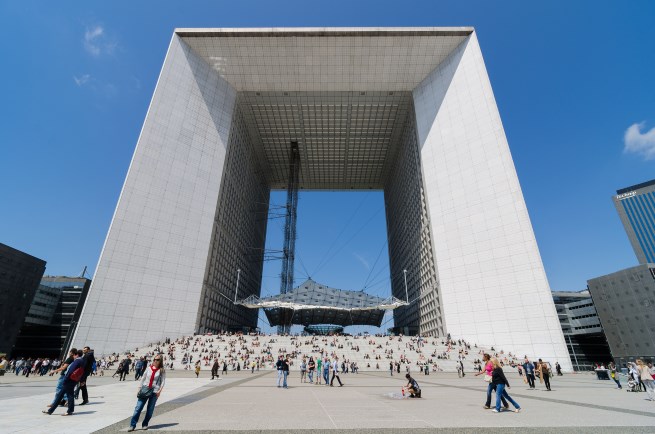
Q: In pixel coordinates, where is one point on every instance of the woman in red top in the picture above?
(150, 388)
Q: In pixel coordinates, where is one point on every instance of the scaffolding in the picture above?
(288, 250)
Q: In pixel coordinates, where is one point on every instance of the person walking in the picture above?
(215, 369)
(138, 369)
(62, 369)
(125, 368)
(615, 375)
(303, 370)
(197, 369)
(73, 375)
(224, 367)
(89, 361)
(150, 387)
(391, 368)
(544, 374)
(310, 369)
(528, 368)
(500, 382)
(335, 372)
(646, 377)
(319, 373)
(488, 369)
(558, 369)
(326, 371)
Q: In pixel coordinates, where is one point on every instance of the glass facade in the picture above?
(53, 317)
(19, 279)
(636, 207)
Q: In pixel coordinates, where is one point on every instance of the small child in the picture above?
(633, 386)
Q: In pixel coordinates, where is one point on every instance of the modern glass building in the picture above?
(582, 329)
(53, 316)
(636, 207)
(406, 111)
(624, 301)
(20, 274)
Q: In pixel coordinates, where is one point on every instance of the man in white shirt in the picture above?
(335, 371)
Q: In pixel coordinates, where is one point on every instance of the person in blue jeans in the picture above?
(285, 371)
(68, 386)
(326, 371)
(528, 368)
(499, 381)
(62, 371)
(153, 382)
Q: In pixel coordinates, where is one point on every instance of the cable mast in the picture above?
(289, 248)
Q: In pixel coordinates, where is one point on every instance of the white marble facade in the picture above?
(492, 283)
(149, 278)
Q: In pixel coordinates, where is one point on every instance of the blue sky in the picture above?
(570, 79)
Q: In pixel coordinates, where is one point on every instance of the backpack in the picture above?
(77, 374)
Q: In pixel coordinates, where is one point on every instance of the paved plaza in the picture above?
(367, 403)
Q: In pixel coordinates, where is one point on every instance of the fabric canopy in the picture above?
(314, 303)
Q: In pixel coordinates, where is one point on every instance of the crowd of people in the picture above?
(320, 360)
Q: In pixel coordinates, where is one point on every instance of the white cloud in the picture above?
(96, 41)
(640, 143)
(363, 261)
(92, 40)
(81, 81)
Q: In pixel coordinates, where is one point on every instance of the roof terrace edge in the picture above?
(322, 31)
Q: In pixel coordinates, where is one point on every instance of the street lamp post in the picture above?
(236, 290)
(406, 296)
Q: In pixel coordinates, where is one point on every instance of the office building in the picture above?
(624, 301)
(636, 207)
(53, 316)
(20, 274)
(583, 332)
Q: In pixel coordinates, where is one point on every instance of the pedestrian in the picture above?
(310, 369)
(391, 368)
(62, 370)
(89, 360)
(73, 375)
(303, 370)
(488, 370)
(285, 371)
(326, 371)
(150, 387)
(224, 367)
(500, 382)
(335, 372)
(646, 376)
(197, 369)
(528, 368)
(615, 375)
(215, 369)
(279, 365)
(124, 369)
(634, 373)
(138, 370)
(558, 368)
(544, 373)
(319, 373)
